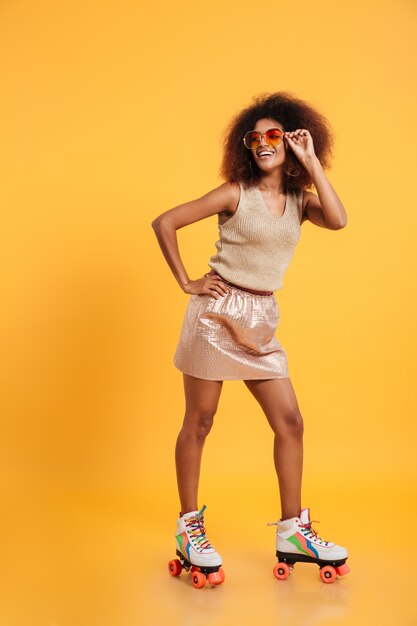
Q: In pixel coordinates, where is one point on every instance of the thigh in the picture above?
(201, 396)
(277, 398)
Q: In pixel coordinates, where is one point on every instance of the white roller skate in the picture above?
(297, 541)
(195, 552)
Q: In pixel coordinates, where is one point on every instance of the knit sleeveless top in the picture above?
(255, 247)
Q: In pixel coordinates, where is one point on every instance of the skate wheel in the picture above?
(328, 574)
(175, 567)
(343, 569)
(222, 574)
(198, 579)
(215, 578)
(281, 571)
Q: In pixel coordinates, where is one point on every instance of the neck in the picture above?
(273, 182)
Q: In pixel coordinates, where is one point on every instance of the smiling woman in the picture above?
(273, 150)
(292, 116)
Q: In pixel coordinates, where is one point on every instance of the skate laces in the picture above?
(307, 529)
(311, 533)
(196, 530)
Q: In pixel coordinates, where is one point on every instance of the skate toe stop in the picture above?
(215, 578)
(343, 569)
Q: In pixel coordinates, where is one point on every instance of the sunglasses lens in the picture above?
(273, 136)
(252, 139)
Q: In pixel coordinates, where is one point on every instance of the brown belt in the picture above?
(256, 292)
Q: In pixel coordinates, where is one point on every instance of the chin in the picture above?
(269, 168)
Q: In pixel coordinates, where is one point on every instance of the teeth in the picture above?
(265, 153)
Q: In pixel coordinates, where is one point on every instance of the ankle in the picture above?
(187, 510)
(289, 515)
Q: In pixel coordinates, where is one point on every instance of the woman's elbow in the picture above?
(162, 223)
(156, 222)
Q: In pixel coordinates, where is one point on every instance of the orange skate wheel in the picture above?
(199, 579)
(222, 574)
(175, 567)
(281, 571)
(343, 569)
(328, 574)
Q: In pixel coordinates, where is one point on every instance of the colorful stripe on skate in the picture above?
(184, 543)
(303, 544)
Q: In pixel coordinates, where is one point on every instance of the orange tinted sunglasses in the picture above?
(253, 138)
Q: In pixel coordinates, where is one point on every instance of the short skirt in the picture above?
(231, 338)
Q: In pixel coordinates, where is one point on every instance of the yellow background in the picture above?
(112, 113)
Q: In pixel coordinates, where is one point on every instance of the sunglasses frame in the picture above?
(263, 135)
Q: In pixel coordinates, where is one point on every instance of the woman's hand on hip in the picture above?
(209, 284)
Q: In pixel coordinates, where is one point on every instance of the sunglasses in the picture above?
(253, 138)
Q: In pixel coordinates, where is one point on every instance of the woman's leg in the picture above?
(201, 398)
(277, 399)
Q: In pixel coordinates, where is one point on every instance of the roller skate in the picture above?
(195, 552)
(297, 541)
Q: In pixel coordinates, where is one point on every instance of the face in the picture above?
(277, 158)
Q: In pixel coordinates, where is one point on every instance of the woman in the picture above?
(228, 332)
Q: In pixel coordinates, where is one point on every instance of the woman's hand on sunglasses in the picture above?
(208, 284)
(301, 143)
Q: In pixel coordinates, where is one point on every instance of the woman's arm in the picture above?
(222, 199)
(326, 209)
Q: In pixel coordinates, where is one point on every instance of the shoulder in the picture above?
(299, 203)
(307, 197)
(230, 193)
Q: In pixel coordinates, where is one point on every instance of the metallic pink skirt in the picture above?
(231, 338)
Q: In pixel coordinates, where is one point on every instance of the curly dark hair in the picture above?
(238, 164)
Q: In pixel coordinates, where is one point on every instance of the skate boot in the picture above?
(195, 552)
(297, 541)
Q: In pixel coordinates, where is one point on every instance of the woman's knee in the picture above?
(199, 422)
(292, 423)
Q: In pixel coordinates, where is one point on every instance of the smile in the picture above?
(265, 154)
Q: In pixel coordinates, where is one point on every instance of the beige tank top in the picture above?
(255, 247)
